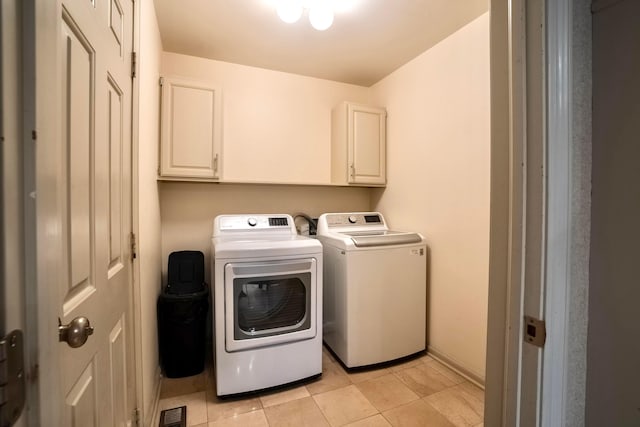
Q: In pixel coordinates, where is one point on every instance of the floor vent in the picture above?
(175, 417)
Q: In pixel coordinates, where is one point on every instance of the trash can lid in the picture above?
(185, 288)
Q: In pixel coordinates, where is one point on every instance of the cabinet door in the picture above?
(366, 145)
(191, 130)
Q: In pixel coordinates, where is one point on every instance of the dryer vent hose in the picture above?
(313, 223)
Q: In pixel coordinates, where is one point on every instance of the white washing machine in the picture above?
(267, 301)
(375, 284)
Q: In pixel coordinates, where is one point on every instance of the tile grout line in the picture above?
(437, 366)
(319, 409)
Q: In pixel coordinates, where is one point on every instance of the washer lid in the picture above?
(383, 238)
(355, 230)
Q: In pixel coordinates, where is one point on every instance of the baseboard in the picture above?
(153, 415)
(456, 367)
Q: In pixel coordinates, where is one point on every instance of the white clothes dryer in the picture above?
(267, 300)
(375, 284)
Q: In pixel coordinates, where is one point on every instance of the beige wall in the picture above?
(270, 118)
(148, 207)
(438, 182)
(188, 209)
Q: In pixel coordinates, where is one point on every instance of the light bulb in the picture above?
(321, 16)
(289, 10)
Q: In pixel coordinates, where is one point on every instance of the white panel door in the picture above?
(90, 75)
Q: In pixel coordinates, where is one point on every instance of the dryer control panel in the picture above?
(253, 223)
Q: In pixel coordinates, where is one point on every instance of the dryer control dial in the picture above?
(252, 222)
(353, 219)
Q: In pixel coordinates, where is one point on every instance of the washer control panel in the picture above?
(355, 219)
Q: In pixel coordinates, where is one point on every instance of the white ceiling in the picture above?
(363, 45)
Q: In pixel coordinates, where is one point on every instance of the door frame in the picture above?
(558, 237)
(143, 418)
(507, 227)
(44, 20)
(505, 386)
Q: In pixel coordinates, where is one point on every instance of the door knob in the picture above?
(76, 332)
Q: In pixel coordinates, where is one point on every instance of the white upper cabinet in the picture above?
(358, 145)
(191, 133)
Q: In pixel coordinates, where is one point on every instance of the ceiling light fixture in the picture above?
(320, 12)
(289, 10)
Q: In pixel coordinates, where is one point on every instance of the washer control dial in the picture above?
(353, 219)
(252, 222)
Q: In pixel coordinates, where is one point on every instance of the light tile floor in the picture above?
(420, 392)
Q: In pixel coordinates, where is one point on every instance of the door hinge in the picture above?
(132, 241)
(134, 63)
(535, 331)
(12, 378)
(161, 81)
(136, 417)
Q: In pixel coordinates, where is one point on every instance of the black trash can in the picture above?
(182, 316)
